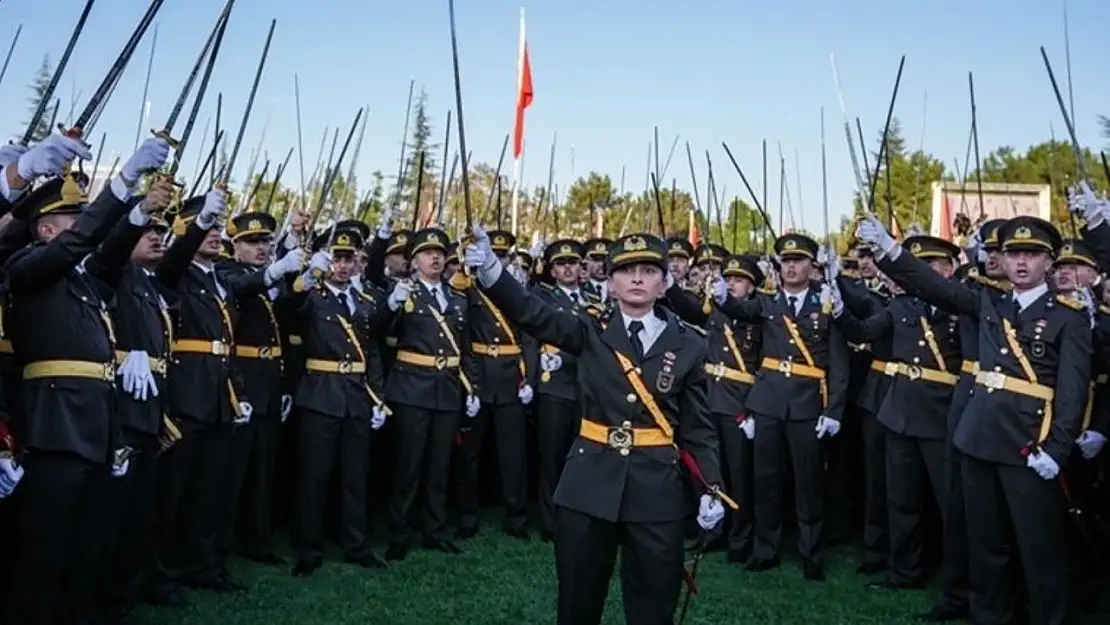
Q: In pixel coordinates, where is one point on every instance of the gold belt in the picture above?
(719, 370)
(157, 363)
(484, 349)
(424, 360)
(995, 381)
(343, 367)
(103, 371)
(201, 346)
(789, 368)
(624, 437)
(970, 367)
(6, 346)
(917, 372)
(258, 353)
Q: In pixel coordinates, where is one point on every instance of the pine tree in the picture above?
(39, 87)
(420, 142)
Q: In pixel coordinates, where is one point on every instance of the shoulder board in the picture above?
(768, 291)
(693, 327)
(1069, 301)
(594, 310)
(461, 282)
(997, 285)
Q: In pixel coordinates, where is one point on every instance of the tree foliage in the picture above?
(39, 86)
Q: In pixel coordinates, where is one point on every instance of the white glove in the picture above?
(10, 153)
(290, 263)
(536, 251)
(473, 405)
(550, 362)
(286, 407)
(872, 231)
(1087, 298)
(138, 380)
(525, 394)
(120, 470)
(399, 295)
(1090, 443)
(320, 261)
(720, 290)
(377, 418)
(831, 297)
(51, 157)
(748, 427)
(150, 156)
(10, 474)
(1088, 206)
(710, 512)
(479, 253)
(215, 203)
(826, 426)
(385, 226)
(822, 255)
(245, 412)
(1043, 464)
(832, 270)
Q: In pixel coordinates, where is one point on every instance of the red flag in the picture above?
(523, 101)
(695, 237)
(945, 218)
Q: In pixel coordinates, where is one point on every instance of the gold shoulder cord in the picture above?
(794, 334)
(730, 337)
(230, 329)
(362, 358)
(454, 345)
(501, 323)
(931, 339)
(1031, 374)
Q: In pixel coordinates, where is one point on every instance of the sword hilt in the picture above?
(165, 136)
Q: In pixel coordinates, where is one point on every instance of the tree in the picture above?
(39, 86)
(905, 191)
(420, 144)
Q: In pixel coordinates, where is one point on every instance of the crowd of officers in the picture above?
(175, 380)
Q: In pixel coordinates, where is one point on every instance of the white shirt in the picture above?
(602, 288)
(437, 289)
(653, 327)
(347, 292)
(799, 301)
(572, 294)
(1025, 298)
(220, 290)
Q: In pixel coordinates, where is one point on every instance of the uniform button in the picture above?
(626, 424)
(916, 360)
(624, 451)
(496, 340)
(791, 341)
(440, 351)
(638, 372)
(1003, 351)
(921, 343)
(997, 369)
(631, 398)
(581, 451)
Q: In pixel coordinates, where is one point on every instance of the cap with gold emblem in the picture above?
(357, 225)
(1076, 252)
(927, 248)
(635, 249)
(398, 242)
(677, 246)
(989, 234)
(341, 241)
(61, 195)
(1029, 234)
(794, 245)
(252, 226)
(598, 248)
(710, 253)
(563, 250)
(501, 241)
(429, 239)
(743, 266)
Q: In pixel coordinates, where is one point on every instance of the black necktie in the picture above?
(634, 329)
(574, 297)
(793, 301)
(342, 297)
(435, 298)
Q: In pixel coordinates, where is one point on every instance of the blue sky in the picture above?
(604, 72)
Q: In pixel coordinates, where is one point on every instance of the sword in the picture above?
(48, 94)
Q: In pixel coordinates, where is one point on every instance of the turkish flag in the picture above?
(523, 101)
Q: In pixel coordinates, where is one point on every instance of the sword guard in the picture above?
(73, 133)
(165, 136)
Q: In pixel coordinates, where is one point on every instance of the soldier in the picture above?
(63, 332)
(679, 252)
(339, 398)
(500, 352)
(708, 258)
(396, 254)
(734, 350)
(596, 285)
(924, 370)
(620, 487)
(361, 257)
(257, 285)
(798, 399)
(425, 388)
(555, 375)
(1022, 417)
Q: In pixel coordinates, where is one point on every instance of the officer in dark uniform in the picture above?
(361, 258)
(709, 258)
(596, 286)
(679, 252)
(433, 376)
(396, 255)
(555, 376)
(643, 386)
(924, 371)
(340, 399)
(499, 351)
(257, 284)
(798, 399)
(734, 351)
(1022, 417)
(62, 330)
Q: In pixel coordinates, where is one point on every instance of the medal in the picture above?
(409, 306)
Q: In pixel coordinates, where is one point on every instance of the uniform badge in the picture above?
(1041, 323)
(409, 306)
(1038, 349)
(664, 382)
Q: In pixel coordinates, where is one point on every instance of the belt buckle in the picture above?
(494, 350)
(913, 372)
(719, 370)
(345, 367)
(265, 353)
(891, 369)
(993, 380)
(620, 438)
(441, 362)
(785, 367)
(109, 371)
(219, 348)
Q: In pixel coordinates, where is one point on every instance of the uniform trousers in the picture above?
(737, 451)
(782, 445)
(131, 531)
(651, 568)
(250, 478)
(910, 462)
(424, 443)
(59, 550)
(953, 577)
(876, 528)
(557, 423)
(328, 443)
(511, 431)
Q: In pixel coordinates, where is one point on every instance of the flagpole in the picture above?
(516, 161)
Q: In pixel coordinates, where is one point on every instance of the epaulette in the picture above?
(594, 310)
(997, 285)
(1069, 301)
(766, 291)
(693, 327)
(461, 282)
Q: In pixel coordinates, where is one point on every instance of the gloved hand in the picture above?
(290, 263)
(720, 290)
(215, 203)
(473, 405)
(525, 394)
(1087, 298)
(747, 425)
(399, 295)
(710, 512)
(245, 412)
(833, 268)
(377, 418)
(51, 157)
(150, 157)
(320, 262)
(138, 380)
(1090, 443)
(10, 474)
(550, 362)
(1043, 464)
(385, 225)
(872, 231)
(826, 427)
(479, 252)
(831, 299)
(286, 407)
(120, 470)
(10, 153)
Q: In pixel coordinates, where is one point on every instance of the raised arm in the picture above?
(175, 264)
(866, 330)
(917, 277)
(858, 298)
(532, 314)
(686, 305)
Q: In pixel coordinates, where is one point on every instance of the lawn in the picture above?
(502, 581)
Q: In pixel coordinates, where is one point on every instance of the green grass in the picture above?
(502, 581)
